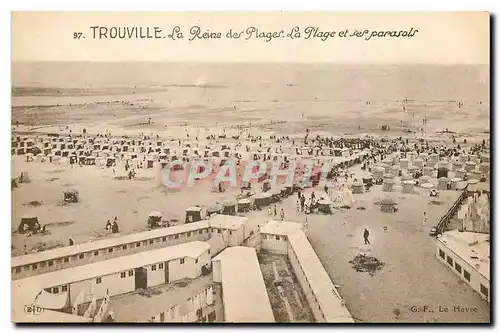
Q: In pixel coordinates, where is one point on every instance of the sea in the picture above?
(321, 81)
(357, 96)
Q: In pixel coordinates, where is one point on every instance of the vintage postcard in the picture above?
(244, 167)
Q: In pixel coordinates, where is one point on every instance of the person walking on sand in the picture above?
(366, 234)
(282, 214)
(424, 220)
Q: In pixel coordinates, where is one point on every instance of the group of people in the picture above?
(113, 227)
(273, 211)
(301, 202)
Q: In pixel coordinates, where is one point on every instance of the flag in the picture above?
(103, 309)
(91, 309)
(78, 301)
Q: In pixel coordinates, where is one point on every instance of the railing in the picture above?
(443, 223)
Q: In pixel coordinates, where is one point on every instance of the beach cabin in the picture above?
(408, 186)
(442, 172)
(357, 187)
(424, 180)
(442, 183)
(432, 160)
(388, 185)
(194, 214)
(460, 173)
(428, 171)
(474, 174)
(485, 158)
(404, 163)
(456, 165)
(485, 167)
(90, 160)
(345, 152)
(454, 182)
(419, 163)
(469, 166)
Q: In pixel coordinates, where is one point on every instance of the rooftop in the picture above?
(281, 227)
(243, 290)
(104, 243)
(467, 245)
(227, 221)
(136, 307)
(326, 294)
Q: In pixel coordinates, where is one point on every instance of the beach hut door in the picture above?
(167, 280)
(141, 278)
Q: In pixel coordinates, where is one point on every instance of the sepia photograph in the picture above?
(244, 167)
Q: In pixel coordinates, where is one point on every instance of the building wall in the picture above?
(84, 258)
(113, 282)
(177, 271)
(306, 288)
(476, 279)
(231, 237)
(156, 276)
(203, 259)
(193, 309)
(270, 243)
(217, 271)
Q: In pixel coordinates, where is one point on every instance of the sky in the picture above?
(442, 37)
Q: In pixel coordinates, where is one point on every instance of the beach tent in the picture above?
(342, 197)
(71, 196)
(214, 209)
(408, 186)
(154, 219)
(193, 214)
(229, 207)
(357, 187)
(388, 205)
(29, 223)
(388, 184)
(262, 199)
(325, 206)
(244, 205)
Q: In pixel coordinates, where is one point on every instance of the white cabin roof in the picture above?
(227, 221)
(469, 244)
(243, 289)
(104, 243)
(281, 228)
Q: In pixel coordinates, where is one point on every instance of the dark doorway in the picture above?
(166, 272)
(141, 278)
